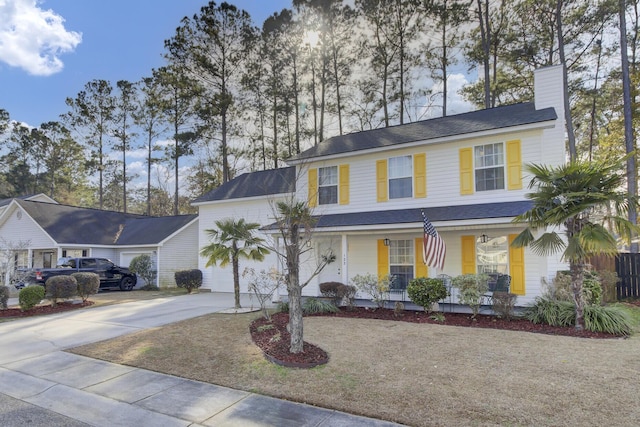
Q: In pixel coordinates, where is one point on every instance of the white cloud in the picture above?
(32, 38)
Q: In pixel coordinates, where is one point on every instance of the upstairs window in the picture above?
(328, 185)
(400, 177)
(489, 167)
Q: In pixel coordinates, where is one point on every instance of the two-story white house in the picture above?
(368, 189)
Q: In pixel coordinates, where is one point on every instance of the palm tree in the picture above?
(234, 239)
(577, 199)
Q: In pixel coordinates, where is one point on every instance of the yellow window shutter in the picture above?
(514, 165)
(420, 175)
(421, 268)
(381, 180)
(343, 179)
(383, 258)
(468, 255)
(313, 187)
(466, 171)
(516, 268)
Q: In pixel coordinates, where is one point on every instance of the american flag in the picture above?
(433, 248)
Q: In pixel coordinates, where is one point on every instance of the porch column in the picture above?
(344, 260)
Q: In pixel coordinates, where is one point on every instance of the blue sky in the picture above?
(82, 40)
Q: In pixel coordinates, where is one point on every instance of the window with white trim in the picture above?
(401, 262)
(489, 167)
(328, 185)
(492, 255)
(400, 177)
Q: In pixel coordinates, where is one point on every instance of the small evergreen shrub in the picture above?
(4, 297)
(189, 279)
(377, 286)
(142, 266)
(591, 289)
(30, 296)
(347, 293)
(315, 306)
(561, 289)
(472, 288)
(426, 291)
(88, 284)
(60, 287)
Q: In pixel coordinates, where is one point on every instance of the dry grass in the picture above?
(117, 297)
(416, 374)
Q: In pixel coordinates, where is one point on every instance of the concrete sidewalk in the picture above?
(41, 385)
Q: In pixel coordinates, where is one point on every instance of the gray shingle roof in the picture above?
(254, 184)
(74, 225)
(459, 124)
(439, 213)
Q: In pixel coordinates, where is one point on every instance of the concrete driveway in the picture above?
(41, 385)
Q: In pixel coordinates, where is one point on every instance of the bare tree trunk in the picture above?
(567, 107)
(632, 172)
(295, 319)
(485, 34)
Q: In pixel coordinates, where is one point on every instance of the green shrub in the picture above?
(347, 293)
(551, 311)
(189, 279)
(4, 297)
(283, 307)
(471, 290)
(142, 266)
(591, 289)
(30, 296)
(426, 291)
(315, 306)
(88, 284)
(597, 318)
(377, 286)
(60, 287)
(608, 319)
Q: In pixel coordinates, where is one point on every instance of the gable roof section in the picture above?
(74, 225)
(459, 124)
(41, 196)
(254, 184)
(413, 215)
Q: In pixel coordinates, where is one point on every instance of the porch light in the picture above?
(387, 242)
(484, 238)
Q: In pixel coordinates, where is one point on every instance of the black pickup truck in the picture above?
(111, 276)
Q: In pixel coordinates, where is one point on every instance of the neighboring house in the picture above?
(38, 233)
(368, 189)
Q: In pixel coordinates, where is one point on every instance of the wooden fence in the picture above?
(627, 268)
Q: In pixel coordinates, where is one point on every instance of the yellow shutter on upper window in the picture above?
(381, 180)
(516, 268)
(421, 268)
(514, 165)
(343, 179)
(420, 175)
(466, 171)
(383, 258)
(468, 254)
(313, 187)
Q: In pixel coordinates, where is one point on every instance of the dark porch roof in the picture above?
(459, 124)
(435, 214)
(74, 225)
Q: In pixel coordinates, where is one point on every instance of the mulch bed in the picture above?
(277, 349)
(13, 312)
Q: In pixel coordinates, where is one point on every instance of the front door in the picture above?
(332, 272)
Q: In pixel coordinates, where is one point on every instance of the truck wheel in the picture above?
(126, 284)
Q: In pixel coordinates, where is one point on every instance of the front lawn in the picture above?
(416, 374)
